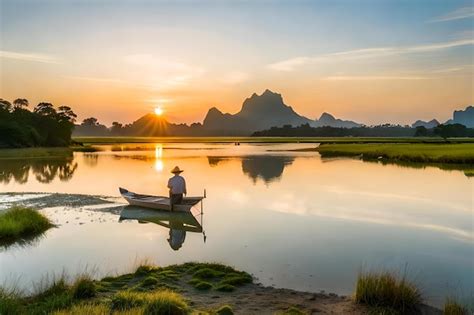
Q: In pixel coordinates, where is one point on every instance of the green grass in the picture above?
(118, 140)
(157, 302)
(35, 153)
(292, 311)
(388, 290)
(460, 153)
(224, 310)
(21, 223)
(454, 307)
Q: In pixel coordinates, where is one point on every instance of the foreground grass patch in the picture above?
(388, 290)
(21, 223)
(157, 302)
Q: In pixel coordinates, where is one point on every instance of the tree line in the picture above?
(386, 130)
(45, 125)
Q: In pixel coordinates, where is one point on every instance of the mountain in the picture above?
(328, 120)
(258, 112)
(427, 124)
(463, 117)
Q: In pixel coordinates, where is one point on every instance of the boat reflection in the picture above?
(178, 223)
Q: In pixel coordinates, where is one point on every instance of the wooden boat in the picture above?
(158, 202)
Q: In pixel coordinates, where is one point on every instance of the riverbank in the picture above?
(190, 288)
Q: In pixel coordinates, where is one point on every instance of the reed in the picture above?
(388, 290)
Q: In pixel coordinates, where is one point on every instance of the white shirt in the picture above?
(177, 185)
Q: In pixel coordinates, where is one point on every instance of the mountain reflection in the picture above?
(268, 168)
(44, 171)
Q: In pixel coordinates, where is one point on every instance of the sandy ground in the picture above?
(256, 299)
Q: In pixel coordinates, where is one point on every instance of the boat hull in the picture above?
(158, 202)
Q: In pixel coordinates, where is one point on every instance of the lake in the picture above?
(290, 218)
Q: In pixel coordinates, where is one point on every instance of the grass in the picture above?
(157, 302)
(118, 140)
(84, 288)
(454, 307)
(459, 153)
(22, 223)
(26, 153)
(388, 291)
(224, 310)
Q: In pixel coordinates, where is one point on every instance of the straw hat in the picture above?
(176, 170)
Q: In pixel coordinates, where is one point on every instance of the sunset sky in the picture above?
(370, 61)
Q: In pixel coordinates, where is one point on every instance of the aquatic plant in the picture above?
(388, 290)
(19, 223)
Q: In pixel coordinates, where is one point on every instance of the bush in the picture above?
(387, 290)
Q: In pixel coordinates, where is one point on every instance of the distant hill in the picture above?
(463, 117)
(257, 112)
(427, 124)
(328, 120)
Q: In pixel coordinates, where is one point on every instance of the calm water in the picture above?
(291, 218)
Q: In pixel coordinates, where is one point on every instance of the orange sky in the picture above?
(372, 64)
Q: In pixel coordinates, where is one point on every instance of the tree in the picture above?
(65, 114)
(20, 103)
(421, 131)
(5, 105)
(451, 130)
(91, 121)
(116, 128)
(45, 109)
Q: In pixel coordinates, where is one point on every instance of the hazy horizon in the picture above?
(371, 62)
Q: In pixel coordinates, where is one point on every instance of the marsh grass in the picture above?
(388, 290)
(84, 288)
(454, 307)
(21, 223)
(27, 153)
(458, 153)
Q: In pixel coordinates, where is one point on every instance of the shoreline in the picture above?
(204, 287)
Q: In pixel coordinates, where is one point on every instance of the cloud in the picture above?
(373, 77)
(357, 54)
(458, 14)
(33, 57)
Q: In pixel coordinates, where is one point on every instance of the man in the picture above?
(177, 186)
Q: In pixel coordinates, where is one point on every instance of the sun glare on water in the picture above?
(158, 111)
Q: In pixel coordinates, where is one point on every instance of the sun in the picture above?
(158, 111)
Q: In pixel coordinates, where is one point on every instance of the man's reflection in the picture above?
(178, 223)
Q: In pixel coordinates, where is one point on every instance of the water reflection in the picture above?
(178, 223)
(268, 168)
(44, 171)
